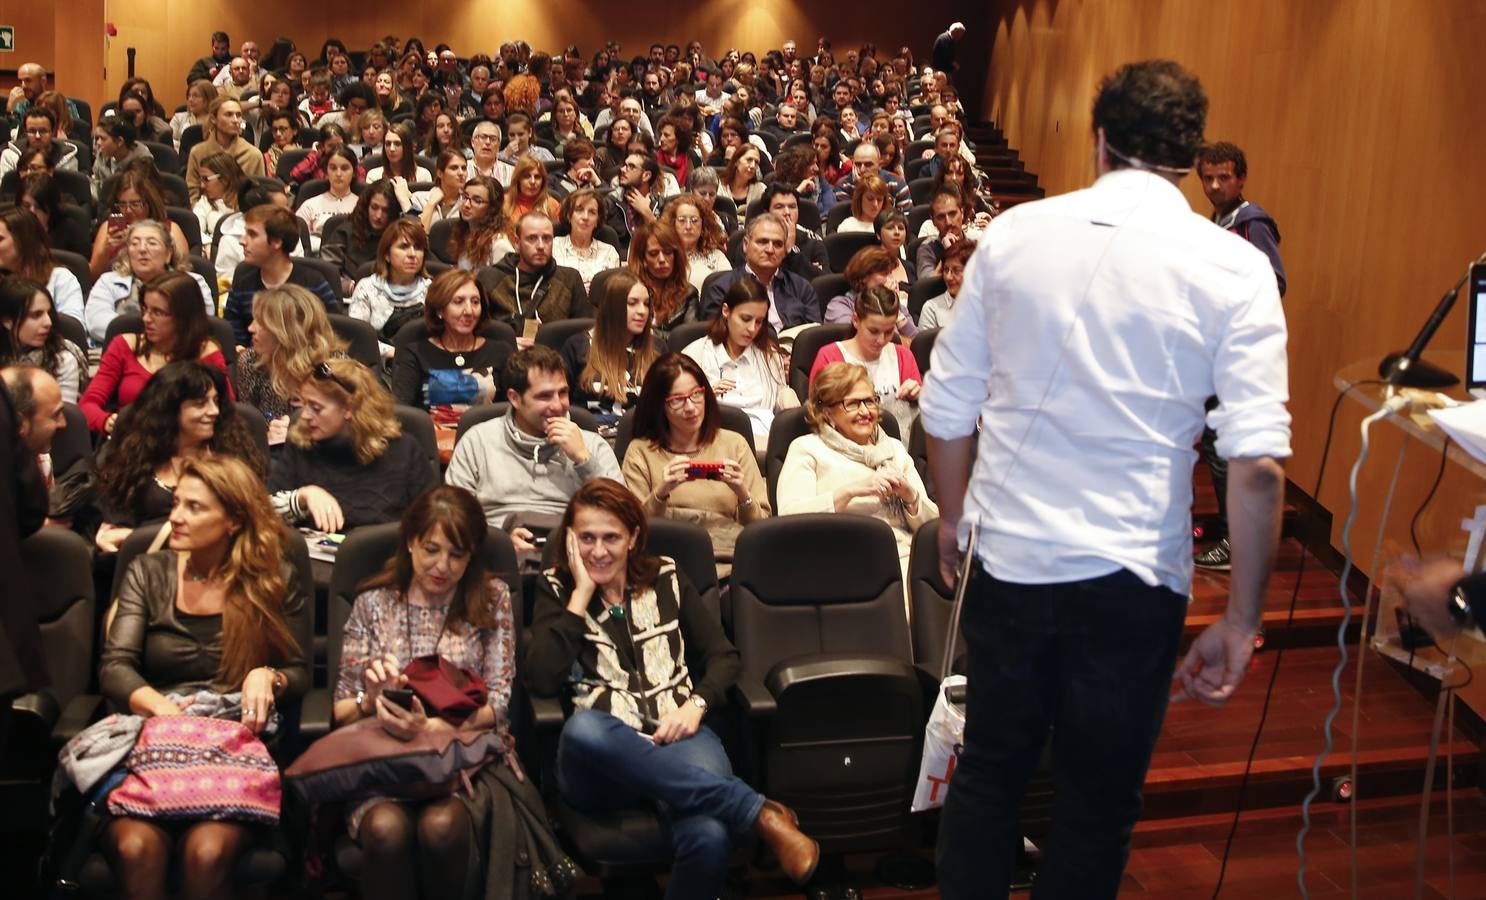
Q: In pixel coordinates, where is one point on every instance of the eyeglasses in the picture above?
(38, 132)
(34, 169)
(123, 205)
(485, 138)
(677, 402)
(473, 200)
(863, 404)
(204, 179)
(150, 312)
(688, 220)
(323, 372)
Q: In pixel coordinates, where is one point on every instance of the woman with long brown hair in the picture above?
(607, 365)
(529, 191)
(481, 236)
(136, 197)
(658, 260)
(219, 610)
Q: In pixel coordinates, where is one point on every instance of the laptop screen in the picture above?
(1475, 353)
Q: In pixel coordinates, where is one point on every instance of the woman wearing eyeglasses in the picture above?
(849, 464)
(136, 198)
(221, 179)
(148, 253)
(607, 365)
(677, 426)
(348, 462)
(222, 134)
(703, 241)
(479, 238)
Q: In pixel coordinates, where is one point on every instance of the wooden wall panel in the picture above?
(1364, 137)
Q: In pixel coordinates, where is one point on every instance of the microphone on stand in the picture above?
(1406, 369)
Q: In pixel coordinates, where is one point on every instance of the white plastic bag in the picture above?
(942, 739)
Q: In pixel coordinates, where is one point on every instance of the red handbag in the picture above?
(447, 691)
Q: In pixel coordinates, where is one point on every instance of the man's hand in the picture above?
(1426, 586)
(1215, 663)
(679, 725)
(17, 94)
(568, 438)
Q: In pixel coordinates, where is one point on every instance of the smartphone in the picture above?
(711, 471)
(400, 696)
(116, 223)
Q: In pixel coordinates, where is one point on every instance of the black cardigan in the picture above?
(369, 494)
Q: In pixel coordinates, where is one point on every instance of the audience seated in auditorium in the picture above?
(938, 311)
(797, 166)
(149, 255)
(677, 423)
(221, 182)
(39, 132)
(848, 463)
(533, 459)
(136, 198)
(529, 191)
(392, 295)
(485, 144)
(115, 143)
(610, 756)
(37, 401)
(865, 160)
(479, 238)
(583, 211)
(870, 267)
(658, 260)
(399, 153)
(792, 300)
(220, 610)
(270, 234)
(867, 201)
(528, 287)
(183, 414)
(67, 227)
(636, 199)
(339, 199)
(607, 364)
(892, 235)
(347, 461)
(580, 168)
(453, 366)
(290, 333)
(740, 177)
(441, 201)
(29, 334)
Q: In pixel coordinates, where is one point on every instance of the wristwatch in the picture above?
(361, 702)
(699, 702)
(1460, 607)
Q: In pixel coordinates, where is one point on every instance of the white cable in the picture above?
(1390, 406)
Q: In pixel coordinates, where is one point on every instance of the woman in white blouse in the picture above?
(582, 211)
(742, 358)
(340, 199)
(702, 237)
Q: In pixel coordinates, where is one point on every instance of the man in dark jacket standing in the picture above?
(1223, 169)
(22, 510)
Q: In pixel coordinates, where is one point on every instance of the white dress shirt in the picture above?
(1091, 329)
(756, 383)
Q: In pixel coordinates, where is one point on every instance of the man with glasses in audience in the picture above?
(39, 129)
(792, 300)
(270, 235)
(533, 459)
(485, 143)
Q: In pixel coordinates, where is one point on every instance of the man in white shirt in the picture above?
(1091, 329)
(485, 142)
(712, 97)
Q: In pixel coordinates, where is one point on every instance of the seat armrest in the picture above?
(546, 714)
(316, 717)
(41, 706)
(831, 666)
(754, 699)
(80, 712)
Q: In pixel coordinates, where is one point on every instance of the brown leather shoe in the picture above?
(798, 854)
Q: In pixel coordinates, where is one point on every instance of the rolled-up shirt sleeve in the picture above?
(1251, 377)
(958, 380)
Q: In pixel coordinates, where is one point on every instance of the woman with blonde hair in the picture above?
(199, 97)
(607, 365)
(290, 333)
(529, 191)
(347, 461)
(222, 133)
(656, 258)
(703, 242)
(221, 609)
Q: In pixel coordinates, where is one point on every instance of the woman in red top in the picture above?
(175, 327)
(674, 143)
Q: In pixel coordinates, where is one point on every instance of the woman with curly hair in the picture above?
(353, 242)
(290, 333)
(184, 414)
(481, 236)
(658, 261)
(347, 462)
(703, 242)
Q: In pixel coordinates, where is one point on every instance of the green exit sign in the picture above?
(7, 38)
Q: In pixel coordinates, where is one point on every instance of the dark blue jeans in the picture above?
(1090, 663)
(603, 764)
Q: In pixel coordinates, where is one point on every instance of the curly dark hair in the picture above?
(1221, 152)
(361, 226)
(148, 430)
(1153, 112)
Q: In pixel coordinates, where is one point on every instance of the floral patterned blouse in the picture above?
(383, 622)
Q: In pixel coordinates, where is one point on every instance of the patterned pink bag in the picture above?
(187, 768)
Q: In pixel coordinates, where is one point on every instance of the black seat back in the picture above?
(416, 424)
(807, 345)
(556, 333)
(841, 247)
(921, 292)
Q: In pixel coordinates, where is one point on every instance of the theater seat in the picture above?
(416, 424)
(807, 345)
(921, 292)
(841, 247)
(556, 333)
